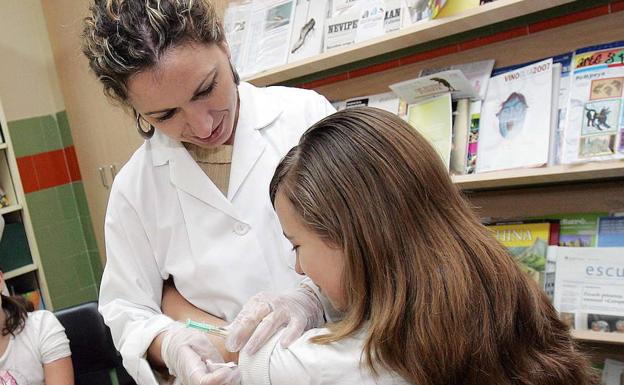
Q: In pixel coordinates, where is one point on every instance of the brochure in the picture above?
(478, 73)
(308, 27)
(451, 81)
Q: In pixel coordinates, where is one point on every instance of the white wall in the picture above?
(28, 82)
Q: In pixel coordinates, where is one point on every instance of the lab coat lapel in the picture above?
(187, 176)
(256, 113)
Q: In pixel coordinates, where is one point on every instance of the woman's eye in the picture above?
(208, 90)
(166, 116)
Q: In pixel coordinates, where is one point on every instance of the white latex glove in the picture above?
(265, 313)
(191, 357)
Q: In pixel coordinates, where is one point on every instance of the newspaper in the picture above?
(589, 286)
(372, 19)
(341, 29)
(270, 27)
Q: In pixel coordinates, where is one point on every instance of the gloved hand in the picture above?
(300, 309)
(190, 356)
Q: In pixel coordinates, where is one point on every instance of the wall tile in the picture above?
(81, 198)
(89, 235)
(44, 207)
(64, 130)
(72, 163)
(50, 131)
(67, 201)
(28, 175)
(77, 297)
(51, 169)
(96, 264)
(26, 136)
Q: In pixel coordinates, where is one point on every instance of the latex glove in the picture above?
(265, 313)
(191, 357)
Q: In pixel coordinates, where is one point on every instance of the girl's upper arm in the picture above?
(59, 372)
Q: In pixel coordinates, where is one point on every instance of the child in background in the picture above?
(34, 349)
(429, 296)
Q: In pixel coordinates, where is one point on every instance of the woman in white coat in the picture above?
(191, 204)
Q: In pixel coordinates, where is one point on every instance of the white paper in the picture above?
(590, 280)
(554, 116)
(413, 11)
(371, 23)
(236, 25)
(452, 81)
(478, 73)
(514, 130)
(269, 34)
(387, 101)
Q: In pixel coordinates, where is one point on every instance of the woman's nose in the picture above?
(298, 268)
(200, 123)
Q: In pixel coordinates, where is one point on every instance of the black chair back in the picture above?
(93, 352)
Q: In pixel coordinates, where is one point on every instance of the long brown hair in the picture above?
(16, 312)
(444, 303)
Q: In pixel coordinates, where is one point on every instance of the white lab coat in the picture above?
(340, 362)
(166, 218)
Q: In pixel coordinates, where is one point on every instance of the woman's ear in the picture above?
(226, 48)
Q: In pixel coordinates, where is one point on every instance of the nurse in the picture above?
(429, 296)
(191, 204)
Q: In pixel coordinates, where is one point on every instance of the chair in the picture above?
(95, 359)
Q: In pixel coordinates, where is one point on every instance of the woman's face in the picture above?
(317, 259)
(190, 95)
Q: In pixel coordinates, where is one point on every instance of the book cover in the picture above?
(515, 121)
(433, 119)
(578, 230)
(528, 244)
(611, 232)
(414, 11)
(593, 128)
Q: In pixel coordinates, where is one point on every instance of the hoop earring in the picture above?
(145, 134)
(235, 74)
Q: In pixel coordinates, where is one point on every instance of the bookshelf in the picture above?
(420, 33)
(510, 32)
(24, 273)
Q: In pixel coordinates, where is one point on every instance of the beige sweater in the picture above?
(215, 162)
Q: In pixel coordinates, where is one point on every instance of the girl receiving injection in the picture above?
(428, 295)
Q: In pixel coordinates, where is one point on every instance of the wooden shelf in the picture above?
(541, 175)
(592, 336)
(3, 146)
(20, 271)
(423, 32)
(10, 209)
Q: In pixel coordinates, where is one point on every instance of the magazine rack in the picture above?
(511, 32)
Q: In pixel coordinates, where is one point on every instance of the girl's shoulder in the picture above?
(42, 320)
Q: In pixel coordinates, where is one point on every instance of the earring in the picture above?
(146, 134)
(235, 74)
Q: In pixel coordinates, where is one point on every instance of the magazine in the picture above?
(433, 119)
(236, 25)
(589, 287)
(270, 28)
(594, 119)
(515, 124)
(611, 231)
(308, 26)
